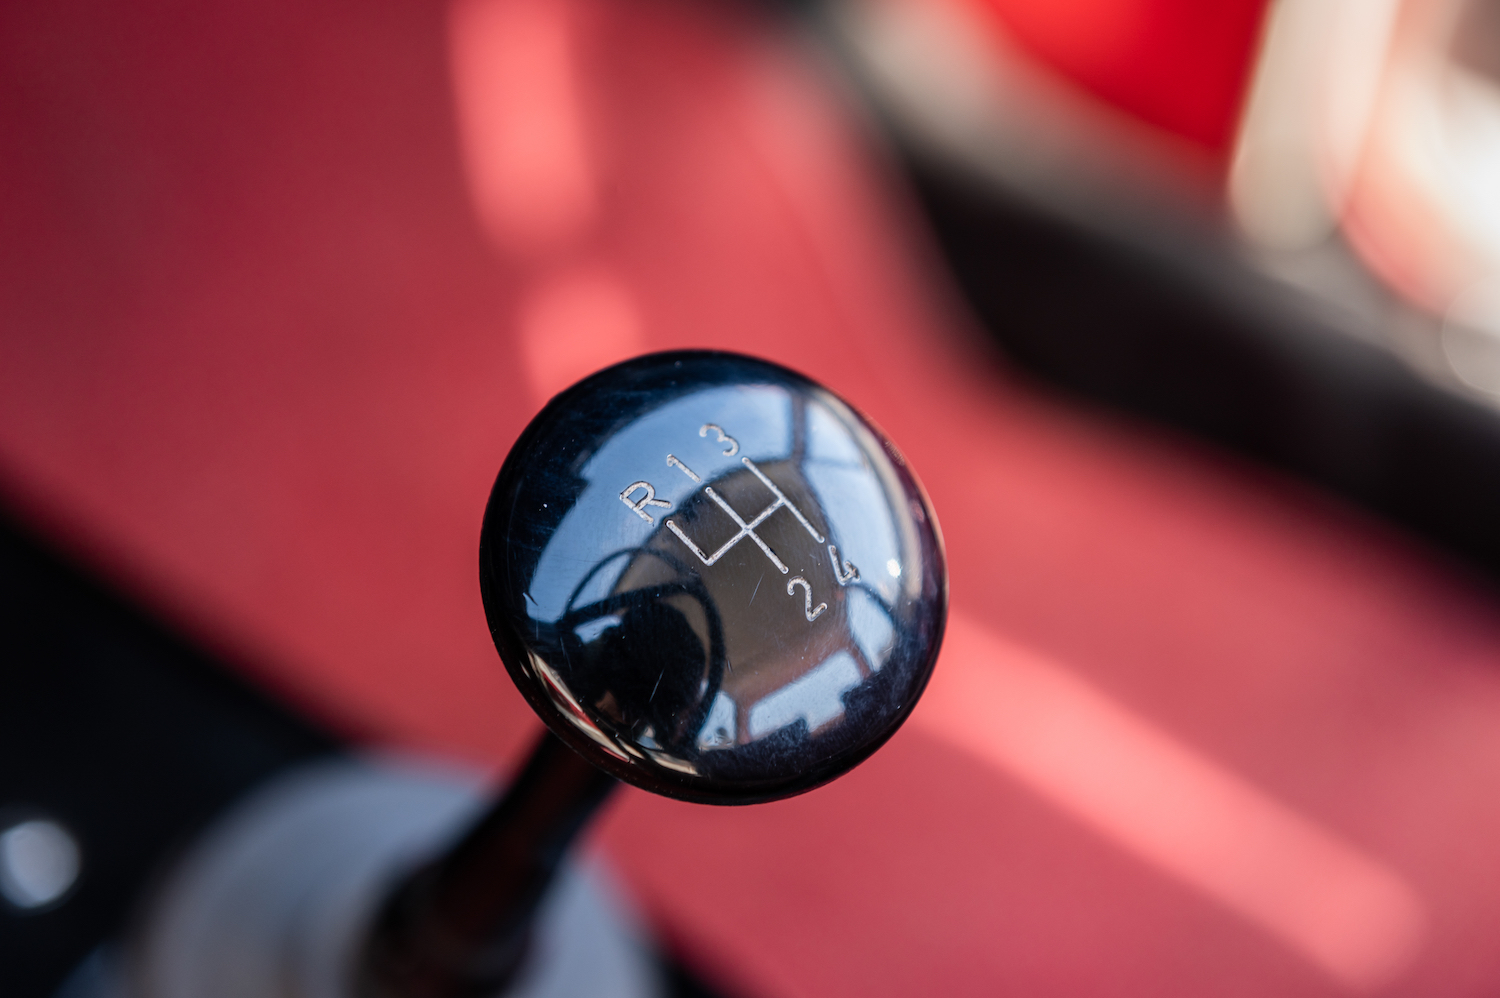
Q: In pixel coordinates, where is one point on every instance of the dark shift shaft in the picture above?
(458, 928)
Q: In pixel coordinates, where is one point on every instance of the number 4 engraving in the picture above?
(844, 571)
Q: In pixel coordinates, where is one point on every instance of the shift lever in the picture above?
(711, 578)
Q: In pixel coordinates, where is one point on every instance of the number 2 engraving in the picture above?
(807, 607)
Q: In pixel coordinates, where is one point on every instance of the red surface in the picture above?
(274, 309)
(1181, 65)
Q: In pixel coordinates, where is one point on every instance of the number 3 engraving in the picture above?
(724, 438)
(807, 607)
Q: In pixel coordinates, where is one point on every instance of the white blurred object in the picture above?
(39, 863)
(275, 899)
(1471, 336)
(1424, 210)
(1424, 207)
(1307, 117)
(1371, 145)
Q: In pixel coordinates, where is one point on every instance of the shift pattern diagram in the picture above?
(844, 571)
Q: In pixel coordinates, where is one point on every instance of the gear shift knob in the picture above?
(712, 577)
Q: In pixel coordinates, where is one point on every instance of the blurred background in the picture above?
(1187, 314)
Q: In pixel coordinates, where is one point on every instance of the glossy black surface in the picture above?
(713, 577)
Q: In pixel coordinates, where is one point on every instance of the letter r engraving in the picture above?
(649, 499)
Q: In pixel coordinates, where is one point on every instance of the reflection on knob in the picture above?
(713, 577)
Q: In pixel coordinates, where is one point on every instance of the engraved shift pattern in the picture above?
(747, 529)
(843, 571)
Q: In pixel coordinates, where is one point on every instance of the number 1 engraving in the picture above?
(672, 461)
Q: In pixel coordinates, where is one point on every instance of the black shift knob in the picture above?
(713, 577)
